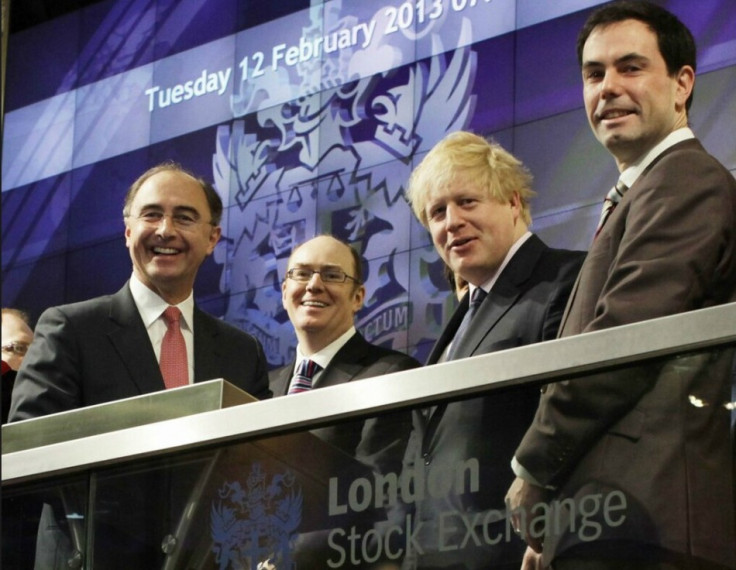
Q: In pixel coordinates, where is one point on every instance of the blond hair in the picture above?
(469, 157)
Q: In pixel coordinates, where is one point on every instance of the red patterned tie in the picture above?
(174, 367)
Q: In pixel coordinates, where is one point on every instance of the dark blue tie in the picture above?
(477, 298)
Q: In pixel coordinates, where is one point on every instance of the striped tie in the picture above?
(609, 204)
(302, 381)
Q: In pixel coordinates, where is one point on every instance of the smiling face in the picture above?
(471, 230)
(321, 312)
(631, 101)
(166, 255)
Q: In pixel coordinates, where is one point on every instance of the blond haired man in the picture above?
(473, 198)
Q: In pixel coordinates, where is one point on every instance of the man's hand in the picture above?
(532, 560)
(520, 499)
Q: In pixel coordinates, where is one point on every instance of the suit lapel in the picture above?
(279, 382)
(346, 364)
(448, 332)
(619, 211)
(494, 307)
(128, 335)
(504, 294)
(207, 351)
(570, 301)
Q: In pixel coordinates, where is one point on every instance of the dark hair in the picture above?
(213, 198)
(676, 43)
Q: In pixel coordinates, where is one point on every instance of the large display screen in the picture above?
(309, 118)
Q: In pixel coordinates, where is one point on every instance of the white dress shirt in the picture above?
(322, 357)
(151, 308)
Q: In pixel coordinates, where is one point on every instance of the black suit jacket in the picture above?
(379, 444)
(525, 306)
(8, 379)
(98, 351)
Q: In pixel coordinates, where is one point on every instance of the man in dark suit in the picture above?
(668, 246)
(322, 291)
(109, 348)
(473, 197)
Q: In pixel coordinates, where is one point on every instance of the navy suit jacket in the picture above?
(98, 351)
(525, 306)
(379, 444)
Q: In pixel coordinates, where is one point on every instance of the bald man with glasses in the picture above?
(321, 293)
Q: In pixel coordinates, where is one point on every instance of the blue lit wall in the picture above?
(308, 119)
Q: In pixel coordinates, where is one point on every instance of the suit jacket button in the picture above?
(427, 459)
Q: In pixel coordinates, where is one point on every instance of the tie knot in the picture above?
(617, 192)
(172, 316)
(308, 368)
(477, 298)
(302, 381)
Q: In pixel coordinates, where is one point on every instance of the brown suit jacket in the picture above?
(669, 247)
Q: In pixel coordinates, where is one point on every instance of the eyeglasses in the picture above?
(302, 274)
(17, 347)
(181, 221)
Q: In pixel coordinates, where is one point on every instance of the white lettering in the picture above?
(224, 79)
(151, 94)
(341, 551)
(607, 508)
(368, 31)
(176, 93)
(360, 495)
(446, 529)
(200, 85)
(277, 55)
(334, 508)
(158, 97)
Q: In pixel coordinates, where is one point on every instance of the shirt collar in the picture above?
(150, 305)
(488, 285)
(324, 356)
(630, 175)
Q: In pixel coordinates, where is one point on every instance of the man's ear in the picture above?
(215, 235)
(358, 298)
(685, 80)
(515, 202)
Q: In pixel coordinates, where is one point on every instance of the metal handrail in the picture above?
(540, 363)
